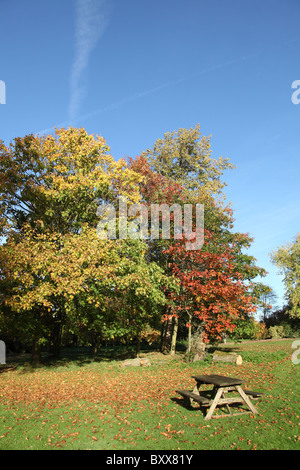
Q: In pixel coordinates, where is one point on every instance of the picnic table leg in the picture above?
(196, 391)
(246, 399)
(214, 403)
(227, 406)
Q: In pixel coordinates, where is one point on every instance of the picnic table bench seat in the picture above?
(253, 394)
(194, 396)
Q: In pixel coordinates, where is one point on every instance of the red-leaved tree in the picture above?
(212, 290)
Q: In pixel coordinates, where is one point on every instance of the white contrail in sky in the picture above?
(91, 22)
(92, 19)
(141, 94)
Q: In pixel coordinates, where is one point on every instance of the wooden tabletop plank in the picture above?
(219, 380)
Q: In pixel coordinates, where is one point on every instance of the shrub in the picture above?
(276, 332)
(290, 330)
(248, 329)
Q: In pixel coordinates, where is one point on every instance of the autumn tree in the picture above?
(181, 168)
(58, 181)
(52, 260)
(213, 288)
(185, 157)
(287, 259)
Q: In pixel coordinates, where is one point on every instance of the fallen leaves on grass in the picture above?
(54, 388)
(116, 388)
(102, 405)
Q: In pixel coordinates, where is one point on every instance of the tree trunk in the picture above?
(166, 336)
(56, 341)
(36, 352)
(95, 343)
(95, 348)
(189, 335)
(57, 332)
(196, 347)
(174, 336)
(199, 346)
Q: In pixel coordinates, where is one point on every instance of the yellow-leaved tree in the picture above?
(55, 270)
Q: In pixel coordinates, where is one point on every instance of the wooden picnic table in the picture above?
(221, 394)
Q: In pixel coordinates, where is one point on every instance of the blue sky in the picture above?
(132, 70)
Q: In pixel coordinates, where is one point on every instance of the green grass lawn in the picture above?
(78, 403)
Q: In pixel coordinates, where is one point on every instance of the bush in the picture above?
(248, 329)
(276, 332)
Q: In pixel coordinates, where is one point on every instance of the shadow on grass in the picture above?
(82, 356)
(227, 349)
(77, 356)
(185, 403)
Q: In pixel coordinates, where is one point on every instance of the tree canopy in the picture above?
(287, 259)
(57, 273)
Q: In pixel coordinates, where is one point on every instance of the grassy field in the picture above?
(78, 403)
